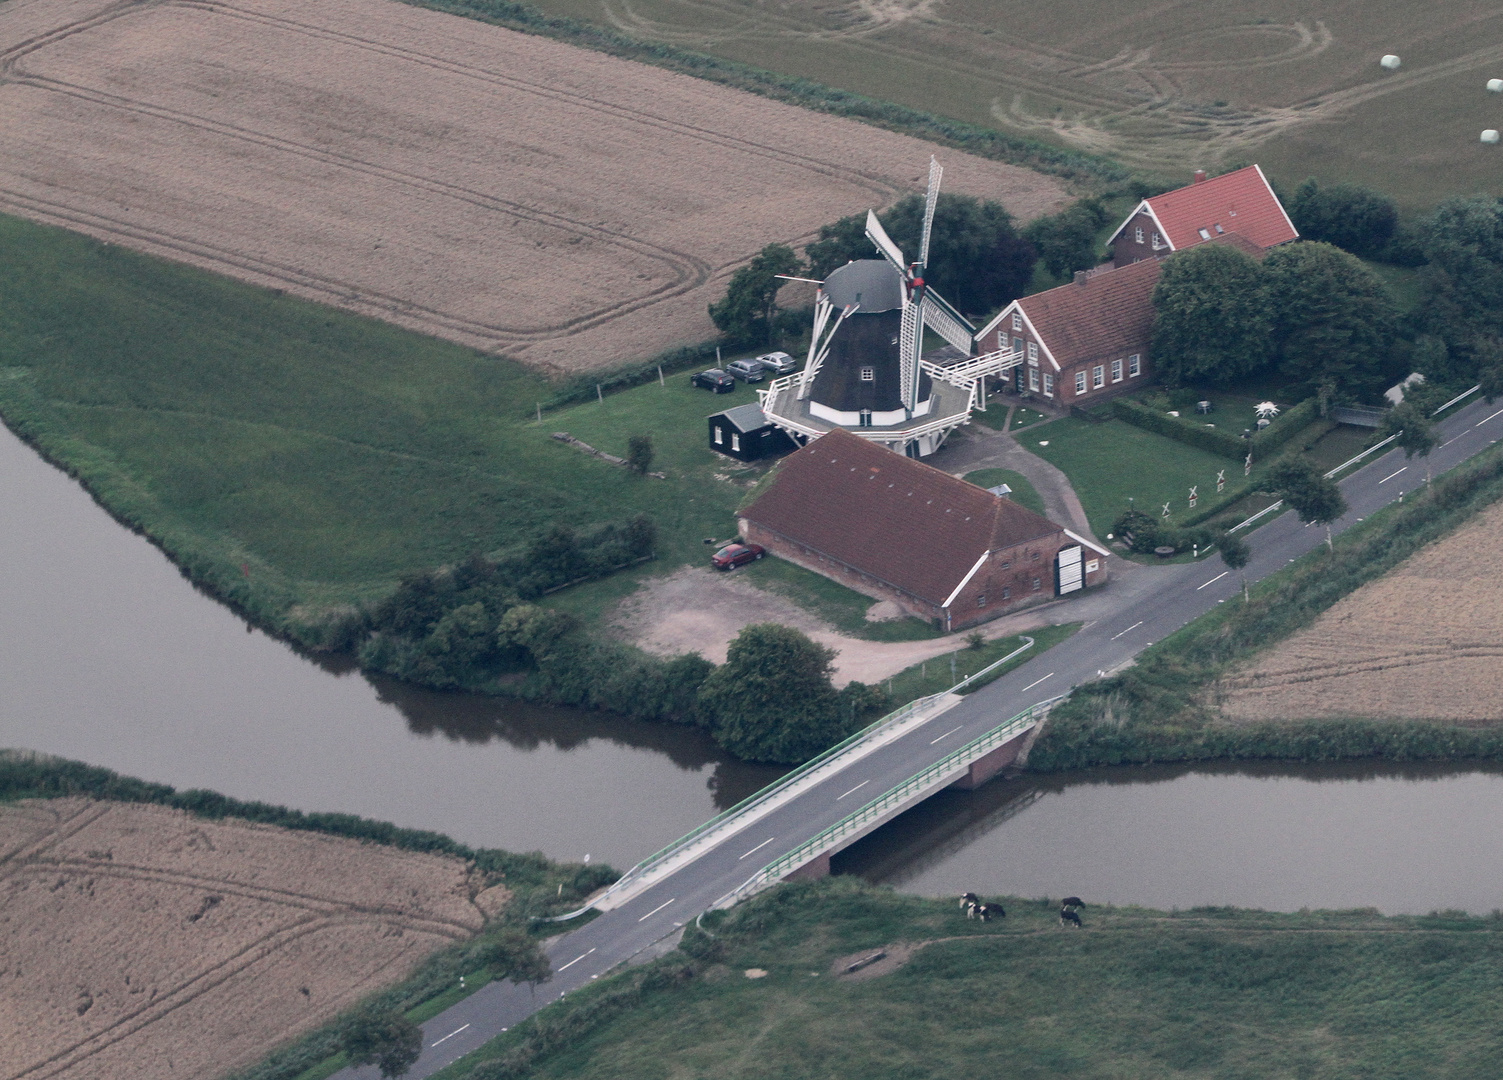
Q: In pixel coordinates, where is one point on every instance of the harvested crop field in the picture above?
(502, 190)
(1423, 642)
(139, 942)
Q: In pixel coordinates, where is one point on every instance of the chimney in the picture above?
(1081, 276)
(1200, 176)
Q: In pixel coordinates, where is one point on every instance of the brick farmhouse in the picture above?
(896, 529)
(1089, 339)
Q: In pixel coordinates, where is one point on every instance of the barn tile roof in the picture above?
(1111, 310)
(890, 516)
(1240, 201)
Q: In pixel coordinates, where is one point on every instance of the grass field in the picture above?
(1114, 466)
(1023, 492)
(1165, 87)
(295, 458)
(1135, 995)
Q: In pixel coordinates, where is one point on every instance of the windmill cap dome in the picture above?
(877, 284)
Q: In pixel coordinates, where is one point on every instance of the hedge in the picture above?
(1214, 440)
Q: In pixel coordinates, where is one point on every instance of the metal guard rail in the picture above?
(771, 789)
(879, 806)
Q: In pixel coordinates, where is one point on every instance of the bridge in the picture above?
(790, 829)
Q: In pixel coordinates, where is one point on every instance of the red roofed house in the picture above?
(1087, 340)
(1237, 202)
(896, 529)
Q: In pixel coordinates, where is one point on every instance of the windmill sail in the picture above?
(930, 199)
(947, 322)
(878, 235)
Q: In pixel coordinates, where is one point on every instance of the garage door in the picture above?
(1069, 573)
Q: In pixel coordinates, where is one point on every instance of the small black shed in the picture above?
(744, 432)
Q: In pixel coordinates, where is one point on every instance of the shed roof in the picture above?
(890, 516)
(1240, 201)
(744, 418)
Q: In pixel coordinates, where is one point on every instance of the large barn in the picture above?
(896, 529)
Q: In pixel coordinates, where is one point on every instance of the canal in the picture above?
(108, 655)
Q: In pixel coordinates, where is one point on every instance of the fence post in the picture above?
(660, 376)
(599, 394)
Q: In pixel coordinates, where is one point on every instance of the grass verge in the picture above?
(1135, 994)
(943, 672)
(1161, 709)
(843, 608)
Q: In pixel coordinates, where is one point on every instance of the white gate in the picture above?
(1069, 575)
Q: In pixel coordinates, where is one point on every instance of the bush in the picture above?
(382, 1037)
(1353, 218)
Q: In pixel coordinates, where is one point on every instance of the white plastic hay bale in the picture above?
(1490, 136)
(1390, 62)
(1495, 85)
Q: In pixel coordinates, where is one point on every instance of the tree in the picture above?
(1317, 500)
(1333, 320)
(639, 454)
(1416, 434)
(773, 699)
(1353, 218)
(1066, 241)
(1235, 552)
(514, 955)
(746, 314)
(976, 259)
(382, 1037)
(1211, 315)
(1463, 283)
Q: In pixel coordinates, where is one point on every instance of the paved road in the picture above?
(1159, 601)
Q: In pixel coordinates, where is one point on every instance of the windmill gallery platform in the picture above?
(789, 830)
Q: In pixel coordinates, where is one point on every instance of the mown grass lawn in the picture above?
(1134, 995)
(1023, 492)
(943, 672)
(1114, 466)
(296, 458)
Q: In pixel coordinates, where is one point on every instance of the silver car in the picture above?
(778, 363)
(746, 370)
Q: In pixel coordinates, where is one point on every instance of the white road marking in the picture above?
(946, 735)
(1391, 475)
(1031, 685)
(451, 1035)
(576, 960)
(758, 848)
(858, 787)
(1485, 419)
(1213, 581)
(1134, 626)
(660, 907)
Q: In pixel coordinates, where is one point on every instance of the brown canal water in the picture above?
(108, 655)
(1400, 838)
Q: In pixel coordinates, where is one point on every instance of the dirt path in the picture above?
(701, 610)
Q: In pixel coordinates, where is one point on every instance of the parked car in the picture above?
(715, 381)
(746, 370)
(778, 363)
(734, 555)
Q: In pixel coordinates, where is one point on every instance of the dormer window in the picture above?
(868, 374)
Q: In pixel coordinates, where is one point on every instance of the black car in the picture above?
(715, 381)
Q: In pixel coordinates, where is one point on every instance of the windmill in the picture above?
(922, 305)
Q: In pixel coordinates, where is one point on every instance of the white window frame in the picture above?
(1033, 353)
(1116, 371)
(719, 435)
(1017, 320)
(1138, 234)
(1080, 382)
(735, 442)
(1033, 378)
(868, 374)
(1048, 384)
(1098, 376)
(1158, 241)
(1134, 366)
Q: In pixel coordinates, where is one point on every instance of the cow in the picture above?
(1068, 917)
(987, 912)
(1072, 902)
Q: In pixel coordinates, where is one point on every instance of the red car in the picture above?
(734, 555)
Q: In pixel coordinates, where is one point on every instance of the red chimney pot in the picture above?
(1200, 176)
